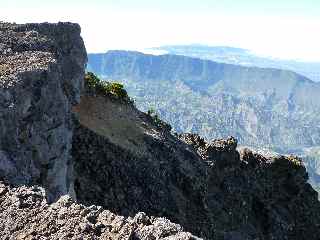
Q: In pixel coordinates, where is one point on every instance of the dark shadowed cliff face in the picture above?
(126, 163)
(102, 151)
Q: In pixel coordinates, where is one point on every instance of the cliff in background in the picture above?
(261, 107)
(101, 150)
(242, 57)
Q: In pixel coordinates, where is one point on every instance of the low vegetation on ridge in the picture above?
(157, 121)
(106, 88)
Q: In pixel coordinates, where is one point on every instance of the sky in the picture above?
(288, 29)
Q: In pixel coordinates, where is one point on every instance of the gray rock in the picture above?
(210, 189)
(31, 217)
(42, 69)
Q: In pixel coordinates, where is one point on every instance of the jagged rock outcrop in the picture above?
(125, 163)
(103, 151)
(41, 74)
(25, 214)
(219, 152)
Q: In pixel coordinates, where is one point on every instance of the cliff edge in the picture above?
(63, 138)
(41, 73)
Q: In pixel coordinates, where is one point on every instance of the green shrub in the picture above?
(117, 89)
(91, 80)
(157, 121)
(295, 161)
(106, 88)
(152, 113)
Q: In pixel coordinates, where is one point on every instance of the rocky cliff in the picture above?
(42, 71)
(209, 188)
(101, 151)
(273, 109)
(41, 77)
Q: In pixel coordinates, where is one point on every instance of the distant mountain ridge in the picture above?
(266, 106)
(243, 57)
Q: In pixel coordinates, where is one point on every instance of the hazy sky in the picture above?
(278, 28)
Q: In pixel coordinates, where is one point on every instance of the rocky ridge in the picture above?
(209, 188)
(102, 151)
(263, 108)
(41, 76)
(31, 217)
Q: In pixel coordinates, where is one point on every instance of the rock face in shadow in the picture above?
(210, 189)
(41, 74)
(101, 150)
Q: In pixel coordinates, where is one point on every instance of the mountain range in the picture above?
(268, 108)
(241, 56)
